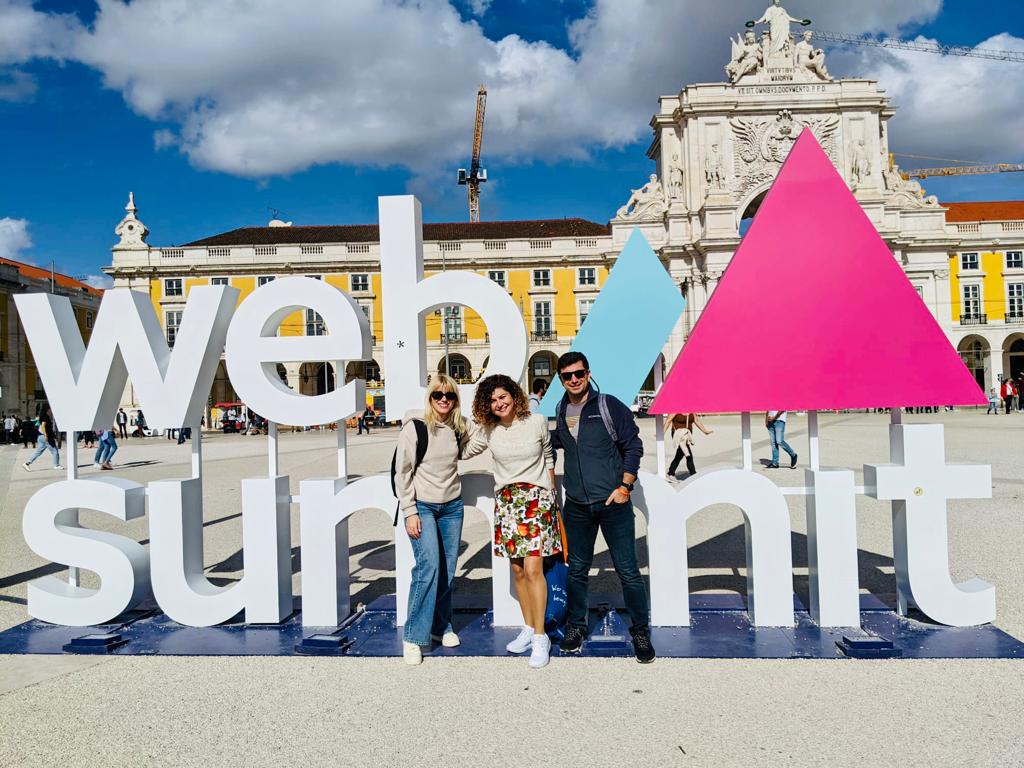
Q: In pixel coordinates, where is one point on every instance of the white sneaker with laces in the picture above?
(541, 651)
(412, 654)
(523, 641)
(449, 640)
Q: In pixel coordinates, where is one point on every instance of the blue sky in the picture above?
(82, 124)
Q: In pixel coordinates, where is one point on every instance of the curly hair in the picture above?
(485, 391)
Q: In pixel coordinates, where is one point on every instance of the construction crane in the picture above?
(970, 167)
(923, 47)
(476, 175)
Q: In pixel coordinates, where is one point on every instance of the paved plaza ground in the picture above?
(176, 711)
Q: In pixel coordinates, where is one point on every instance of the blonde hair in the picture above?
(444, 383)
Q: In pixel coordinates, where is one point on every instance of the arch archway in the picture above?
(367, 370)
(542, 366)
(458, 367)
(1013, 350)
(750, 206)
(977, 358)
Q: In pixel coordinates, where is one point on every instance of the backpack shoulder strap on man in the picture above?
(422, 437)
(606, 416)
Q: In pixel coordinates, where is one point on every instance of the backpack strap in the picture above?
(606, 417)
(422, 438)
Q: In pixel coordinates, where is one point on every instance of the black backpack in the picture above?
(422, 438)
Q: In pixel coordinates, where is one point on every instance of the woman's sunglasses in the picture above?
(451, 397)
(570, 375)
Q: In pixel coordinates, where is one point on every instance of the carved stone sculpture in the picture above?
(646, 203)
(778, 21)
(810, 58)
(746, 57)
(860, 166)
(714, 172)
(906, 192)
(762, 145)
(675, 179)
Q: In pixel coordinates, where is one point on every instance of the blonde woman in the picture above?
(526, 526)
(430, 498)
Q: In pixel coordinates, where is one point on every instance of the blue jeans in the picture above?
(437, 552)
(777, 433)
(41, 447)
(106, 449)
(618, 526)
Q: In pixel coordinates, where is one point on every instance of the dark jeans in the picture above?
(123, 431)
(1009, 402)
(690, 467)
(618, 526)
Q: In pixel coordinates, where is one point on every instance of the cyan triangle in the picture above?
(628, 324)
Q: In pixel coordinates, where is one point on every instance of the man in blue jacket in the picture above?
(602, 447)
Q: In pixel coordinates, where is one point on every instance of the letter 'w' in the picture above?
(84, 387)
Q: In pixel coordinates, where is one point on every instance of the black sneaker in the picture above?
(573, 640)
(642, 647)
(792, 462)
(772, 466)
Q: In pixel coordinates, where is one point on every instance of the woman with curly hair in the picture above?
(526, 525)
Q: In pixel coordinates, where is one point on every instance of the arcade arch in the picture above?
(977, 358)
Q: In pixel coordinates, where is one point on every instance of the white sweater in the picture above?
(436, 480)
(521, 452)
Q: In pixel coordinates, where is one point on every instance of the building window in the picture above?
(588, 276)
(585, 305)
(542, 319)
(541, 278)
(372, 371)
(1015, 259)
(172, 287)
(457, 368)
(542, 367)
(920, 291)
(972, 301)
(968, 261)
(497, 276)
(172, 325)
(1015, 301)
(264, 279)
(314, 323)
(219, 281)
(452, 330)
(360, 282)
(88, 320)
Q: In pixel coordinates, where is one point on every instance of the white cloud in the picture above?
(26, 35)
(479, 7)
(14, 238)
(99, 281)
(258, 88)
(951, 106)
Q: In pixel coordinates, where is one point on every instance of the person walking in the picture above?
(601, 442)
(47, 440)
(121, 419)
(106, 450)
(681, 425)
(140, 423)
(13, 429)
(430, 500)
(526, 520)
(993, 402)
(366, 418)
(775, 421)
(539, 389)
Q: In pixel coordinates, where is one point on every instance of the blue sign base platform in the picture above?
(719, 629)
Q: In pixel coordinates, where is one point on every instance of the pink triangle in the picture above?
(814, 313)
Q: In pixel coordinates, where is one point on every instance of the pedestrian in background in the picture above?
(775, 421)
(993, 401)
(29, 432)
(539, 389)
(681, 425)
(122, 423)
(47, 440)
(1007, 391)
(106, 450)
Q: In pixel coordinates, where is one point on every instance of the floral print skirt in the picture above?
(526, 522)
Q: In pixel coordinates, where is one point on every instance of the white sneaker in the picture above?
(450, 640)
(541, 651)
(27, 466)
(58, 466)
(97, 465)
(412, 654)
(522, 642)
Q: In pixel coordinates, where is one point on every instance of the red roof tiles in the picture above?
(992, 210)
(38, 273)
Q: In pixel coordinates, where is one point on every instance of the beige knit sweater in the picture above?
(521, 452)
(436, 480)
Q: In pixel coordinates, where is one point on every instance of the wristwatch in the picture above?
(627, 486)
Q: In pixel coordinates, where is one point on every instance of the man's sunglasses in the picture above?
(570, 375)
(451, 397)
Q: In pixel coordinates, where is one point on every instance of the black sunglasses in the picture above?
(451, 397)
(570, 375)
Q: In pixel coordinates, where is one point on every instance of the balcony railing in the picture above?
(1015, 318)
(453, 338)
(543, 336)
(973, 319)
